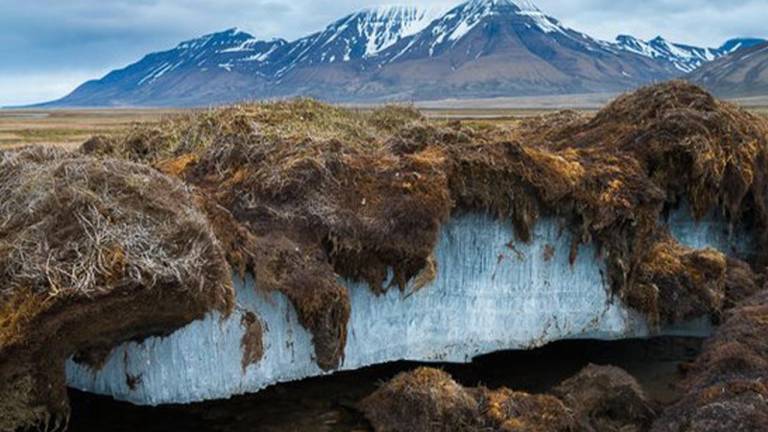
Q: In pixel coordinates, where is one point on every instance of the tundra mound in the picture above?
(320, 191)
(606, 398)
(599, 398)
(92, 253)
(299, 194)
(430, 400)
(727, 386)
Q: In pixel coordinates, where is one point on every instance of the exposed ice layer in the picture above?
(490, 294)
(711, 231)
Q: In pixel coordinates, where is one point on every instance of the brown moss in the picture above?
(98, 145)
(90, 256)
(306, 191)
(606, 399)
(19, 406)
(430, 400)
(741, 283)
(726, 386)
(251, 343)
(505, 410)
(423, 400)
(176, 166)
(678, 282)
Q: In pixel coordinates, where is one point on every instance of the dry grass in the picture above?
(79, 227)
(66, 128)
(430, 400)
(93, 253)
(70, 128)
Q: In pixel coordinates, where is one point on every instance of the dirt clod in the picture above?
(430, 400)
(252, 343)
(607, 399)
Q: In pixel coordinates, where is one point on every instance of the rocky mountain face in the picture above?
(480, 48)
(743, 73)
(685, 58)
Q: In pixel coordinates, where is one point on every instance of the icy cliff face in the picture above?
(490, 294)
(711, 231)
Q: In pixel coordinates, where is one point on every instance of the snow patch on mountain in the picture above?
(383, 27)
(685, 58)
(382, 38)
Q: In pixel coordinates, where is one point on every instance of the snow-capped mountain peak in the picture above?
(478, 48)
(359, 36)
(736, 44)
(382, 27)
(521, 5)
(462, 19)
(685, 58)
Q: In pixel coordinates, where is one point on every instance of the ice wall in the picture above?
(490, 294)
(711, 231)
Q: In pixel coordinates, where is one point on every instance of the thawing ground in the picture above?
(328, 403)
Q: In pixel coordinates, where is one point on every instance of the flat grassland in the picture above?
(66, 128)
(69, 128)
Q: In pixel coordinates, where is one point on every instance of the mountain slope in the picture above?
(480, 48)
(743, 73)
(359, 36)
(189, 74)
(496, 47)
(685, 58)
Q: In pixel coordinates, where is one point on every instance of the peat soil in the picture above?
(327, 404)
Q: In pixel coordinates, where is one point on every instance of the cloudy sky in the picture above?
(47, 47)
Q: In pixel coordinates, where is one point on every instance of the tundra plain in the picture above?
(70, 128)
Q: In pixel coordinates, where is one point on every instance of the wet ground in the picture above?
(328, 404)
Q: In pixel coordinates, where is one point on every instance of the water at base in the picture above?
(328, 403)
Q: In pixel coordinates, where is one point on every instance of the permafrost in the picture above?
(490, 294)
(710, 231)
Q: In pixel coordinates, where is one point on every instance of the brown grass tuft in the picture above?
(726, 386)
(93, 253)
(430, 400)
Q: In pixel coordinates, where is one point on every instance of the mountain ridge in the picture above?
(479, 48)
(686, 58)
(743, 73)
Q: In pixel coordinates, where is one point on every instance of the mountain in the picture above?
(362, 35)
(743, 73)
(499, 48)
(480, 48)
(233, 65)
(685, 58)
(210, 68)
